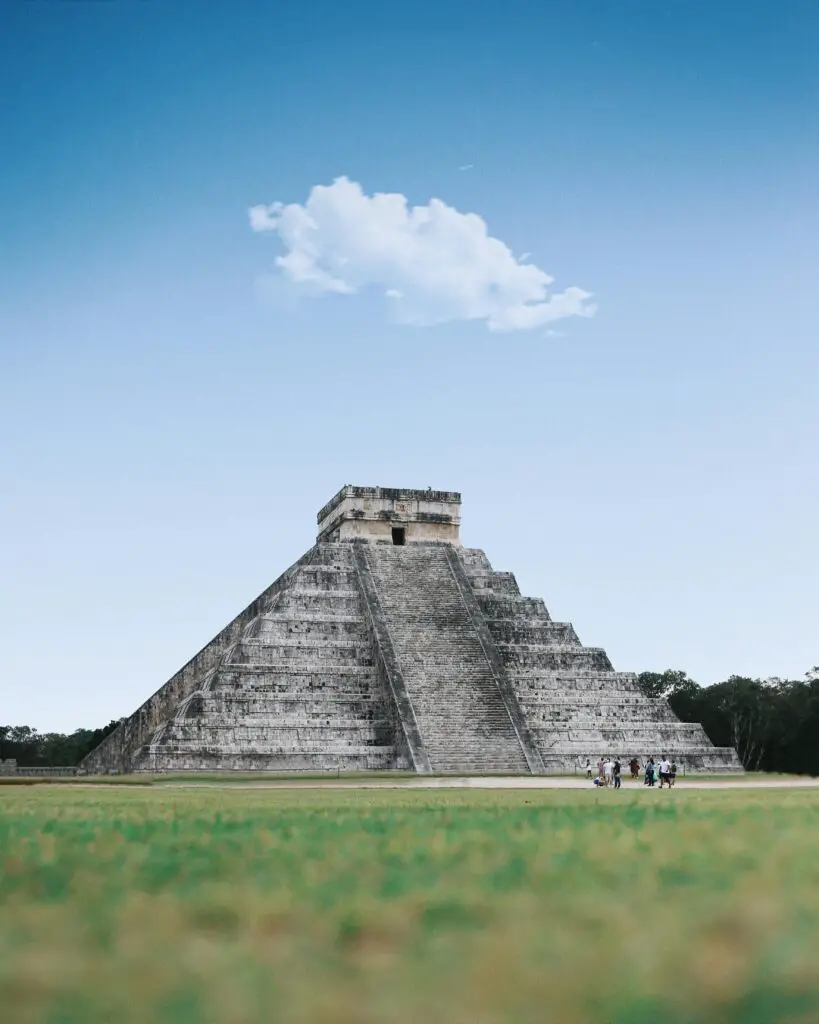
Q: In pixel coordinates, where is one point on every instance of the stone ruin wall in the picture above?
(370, 513)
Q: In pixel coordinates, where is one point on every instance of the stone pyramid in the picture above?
(390, 646)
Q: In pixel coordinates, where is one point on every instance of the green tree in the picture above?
(53, 749)
(772, 724)
(663, 684)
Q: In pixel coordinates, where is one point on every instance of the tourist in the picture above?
(600, 764)
(649, 780)
(673, 778)
(588, 769)
(665, 772)
(634, 765)
(608, 769)
(616, 772)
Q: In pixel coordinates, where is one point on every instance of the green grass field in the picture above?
(231, 905)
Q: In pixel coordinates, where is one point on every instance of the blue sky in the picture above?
(174, 410)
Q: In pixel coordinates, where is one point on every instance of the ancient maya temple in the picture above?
(388, 645)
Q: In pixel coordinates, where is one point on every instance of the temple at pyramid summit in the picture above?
(389, 645)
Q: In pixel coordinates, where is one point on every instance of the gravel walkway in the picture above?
(516, 782)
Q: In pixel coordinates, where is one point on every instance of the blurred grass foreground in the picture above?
(220, 905)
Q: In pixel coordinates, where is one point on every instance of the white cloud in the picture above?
(434, 263)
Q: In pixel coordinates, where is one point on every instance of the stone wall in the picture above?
(9, 767)
(371, 513)
(381, 530)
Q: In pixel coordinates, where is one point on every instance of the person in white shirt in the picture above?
(608, 768)
(665, 772)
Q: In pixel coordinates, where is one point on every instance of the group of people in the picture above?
(665, 770)
(609, 772)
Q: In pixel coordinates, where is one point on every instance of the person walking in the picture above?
(665, 772)
(634, 765)
(608, 769)
(588, 769)
(616, 772)
(649, 781)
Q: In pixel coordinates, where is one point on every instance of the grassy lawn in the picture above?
(228, 905)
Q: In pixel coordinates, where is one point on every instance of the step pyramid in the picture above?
(388, 645)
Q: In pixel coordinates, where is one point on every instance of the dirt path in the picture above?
(517, 782)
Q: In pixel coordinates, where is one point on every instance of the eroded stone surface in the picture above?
(391, 514)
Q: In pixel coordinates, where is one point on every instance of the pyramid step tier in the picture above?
(195, 758)
(531, 632)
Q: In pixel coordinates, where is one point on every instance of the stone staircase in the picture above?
(576, 706)
(299, 691)
(460, 712)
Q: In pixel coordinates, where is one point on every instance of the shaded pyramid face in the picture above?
(389, 646)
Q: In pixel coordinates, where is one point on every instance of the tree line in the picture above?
(32, 749)
(773, 724)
